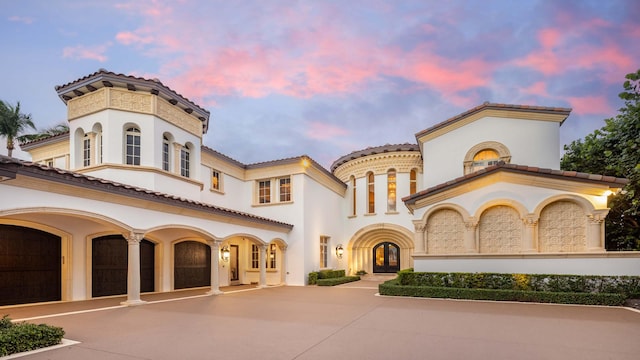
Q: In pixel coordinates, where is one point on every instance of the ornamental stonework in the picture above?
(87, 104)
(130, 101)
(562, 228)
(401, 161)
(178, 117)
(500, 230)
(445, 232)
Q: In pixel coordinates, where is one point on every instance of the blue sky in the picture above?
(325, 78)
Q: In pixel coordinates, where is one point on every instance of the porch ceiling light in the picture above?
(226, 253)
(339, 251)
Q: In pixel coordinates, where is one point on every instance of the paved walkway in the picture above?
(343, 322)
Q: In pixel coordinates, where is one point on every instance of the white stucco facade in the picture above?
(166, 222)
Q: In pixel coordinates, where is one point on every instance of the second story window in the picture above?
(353, 196)
(264, 191)
(391, 190)
(185, 161)
(485, 158)
(165, 154)
(132, 146)
(285, 189)
(86, 150)
(215, 180)
(413, 182)
(371, 199)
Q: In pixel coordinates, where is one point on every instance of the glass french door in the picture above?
(234, 275)
(386, 257)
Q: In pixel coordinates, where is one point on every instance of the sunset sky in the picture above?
(325, 78)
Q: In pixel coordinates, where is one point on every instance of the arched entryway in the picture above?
(386, 258)
(109, 263)
(393, 243)
(30, 265)
(191, 265)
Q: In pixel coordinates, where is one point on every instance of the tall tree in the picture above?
(13, 123)
(615, 150)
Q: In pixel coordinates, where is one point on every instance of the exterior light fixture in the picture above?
(339, 251)
(226, 253)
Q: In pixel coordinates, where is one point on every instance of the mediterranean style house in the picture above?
(130, 201)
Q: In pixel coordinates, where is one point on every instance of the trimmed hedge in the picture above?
(392, 288)
(628, 286)
(337, 280)
(325, 274)
(21, 337)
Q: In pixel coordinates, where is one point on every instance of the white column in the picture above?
(215, 263)
(418, 237)
(595, 232)
(263, 266)
(133, 269)
(283, 265)
(470, 227)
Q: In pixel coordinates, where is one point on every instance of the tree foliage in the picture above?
(614, 150)
(13, 123)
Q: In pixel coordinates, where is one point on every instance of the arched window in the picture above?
(391, 190)
(413, 182)
(86, 150)
(371, 200)
(185, 161)
(353, 196)
(165, 153)
(484, 158)
(133, 146)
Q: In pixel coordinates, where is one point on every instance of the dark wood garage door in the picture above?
(30, 265)
(110, 266)
(192, 265)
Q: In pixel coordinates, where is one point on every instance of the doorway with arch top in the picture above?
(386, 257)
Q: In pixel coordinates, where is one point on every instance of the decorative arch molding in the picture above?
(371, 235)
(104, 220)
(66, 250)
(199, 232)
(521, 209)
(401, 161)
(449, 206)
(584, 203)
(501, 149)
(249, 237)
(360, 247)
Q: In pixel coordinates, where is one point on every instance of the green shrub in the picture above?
(337, 280)
(313, 278)
(330, 274)
(361, 272)
(20, 337)
(394, 289)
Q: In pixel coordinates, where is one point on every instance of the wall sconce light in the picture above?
(272, 253)
(339, 251)
(226, 253)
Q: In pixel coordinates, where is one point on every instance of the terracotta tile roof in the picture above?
(611, 181)
(99, 78)
(9, 167)
(373, 151)
(28, 144)
(488, 105)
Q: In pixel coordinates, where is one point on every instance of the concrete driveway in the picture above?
(330, 323)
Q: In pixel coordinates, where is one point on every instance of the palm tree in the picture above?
(57, 129)
(13, 123)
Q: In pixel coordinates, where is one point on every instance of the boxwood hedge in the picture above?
(21, 337)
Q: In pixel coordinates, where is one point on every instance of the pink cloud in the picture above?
(590, 105)
(22, 19)
(321, 131)
(538, 88)
(91, 53)
(129, 38)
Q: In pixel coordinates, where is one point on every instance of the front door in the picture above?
(234, 276)
(387, 258)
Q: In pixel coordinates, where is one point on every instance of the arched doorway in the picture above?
(386, 257)
(30, 266)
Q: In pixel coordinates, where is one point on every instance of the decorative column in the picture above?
(529, 244)
(176, 157)
(263, 266)
(469, 237)
(215, 263)
(133, 269)
(418, 237)
(283, 265)
(595, 232)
